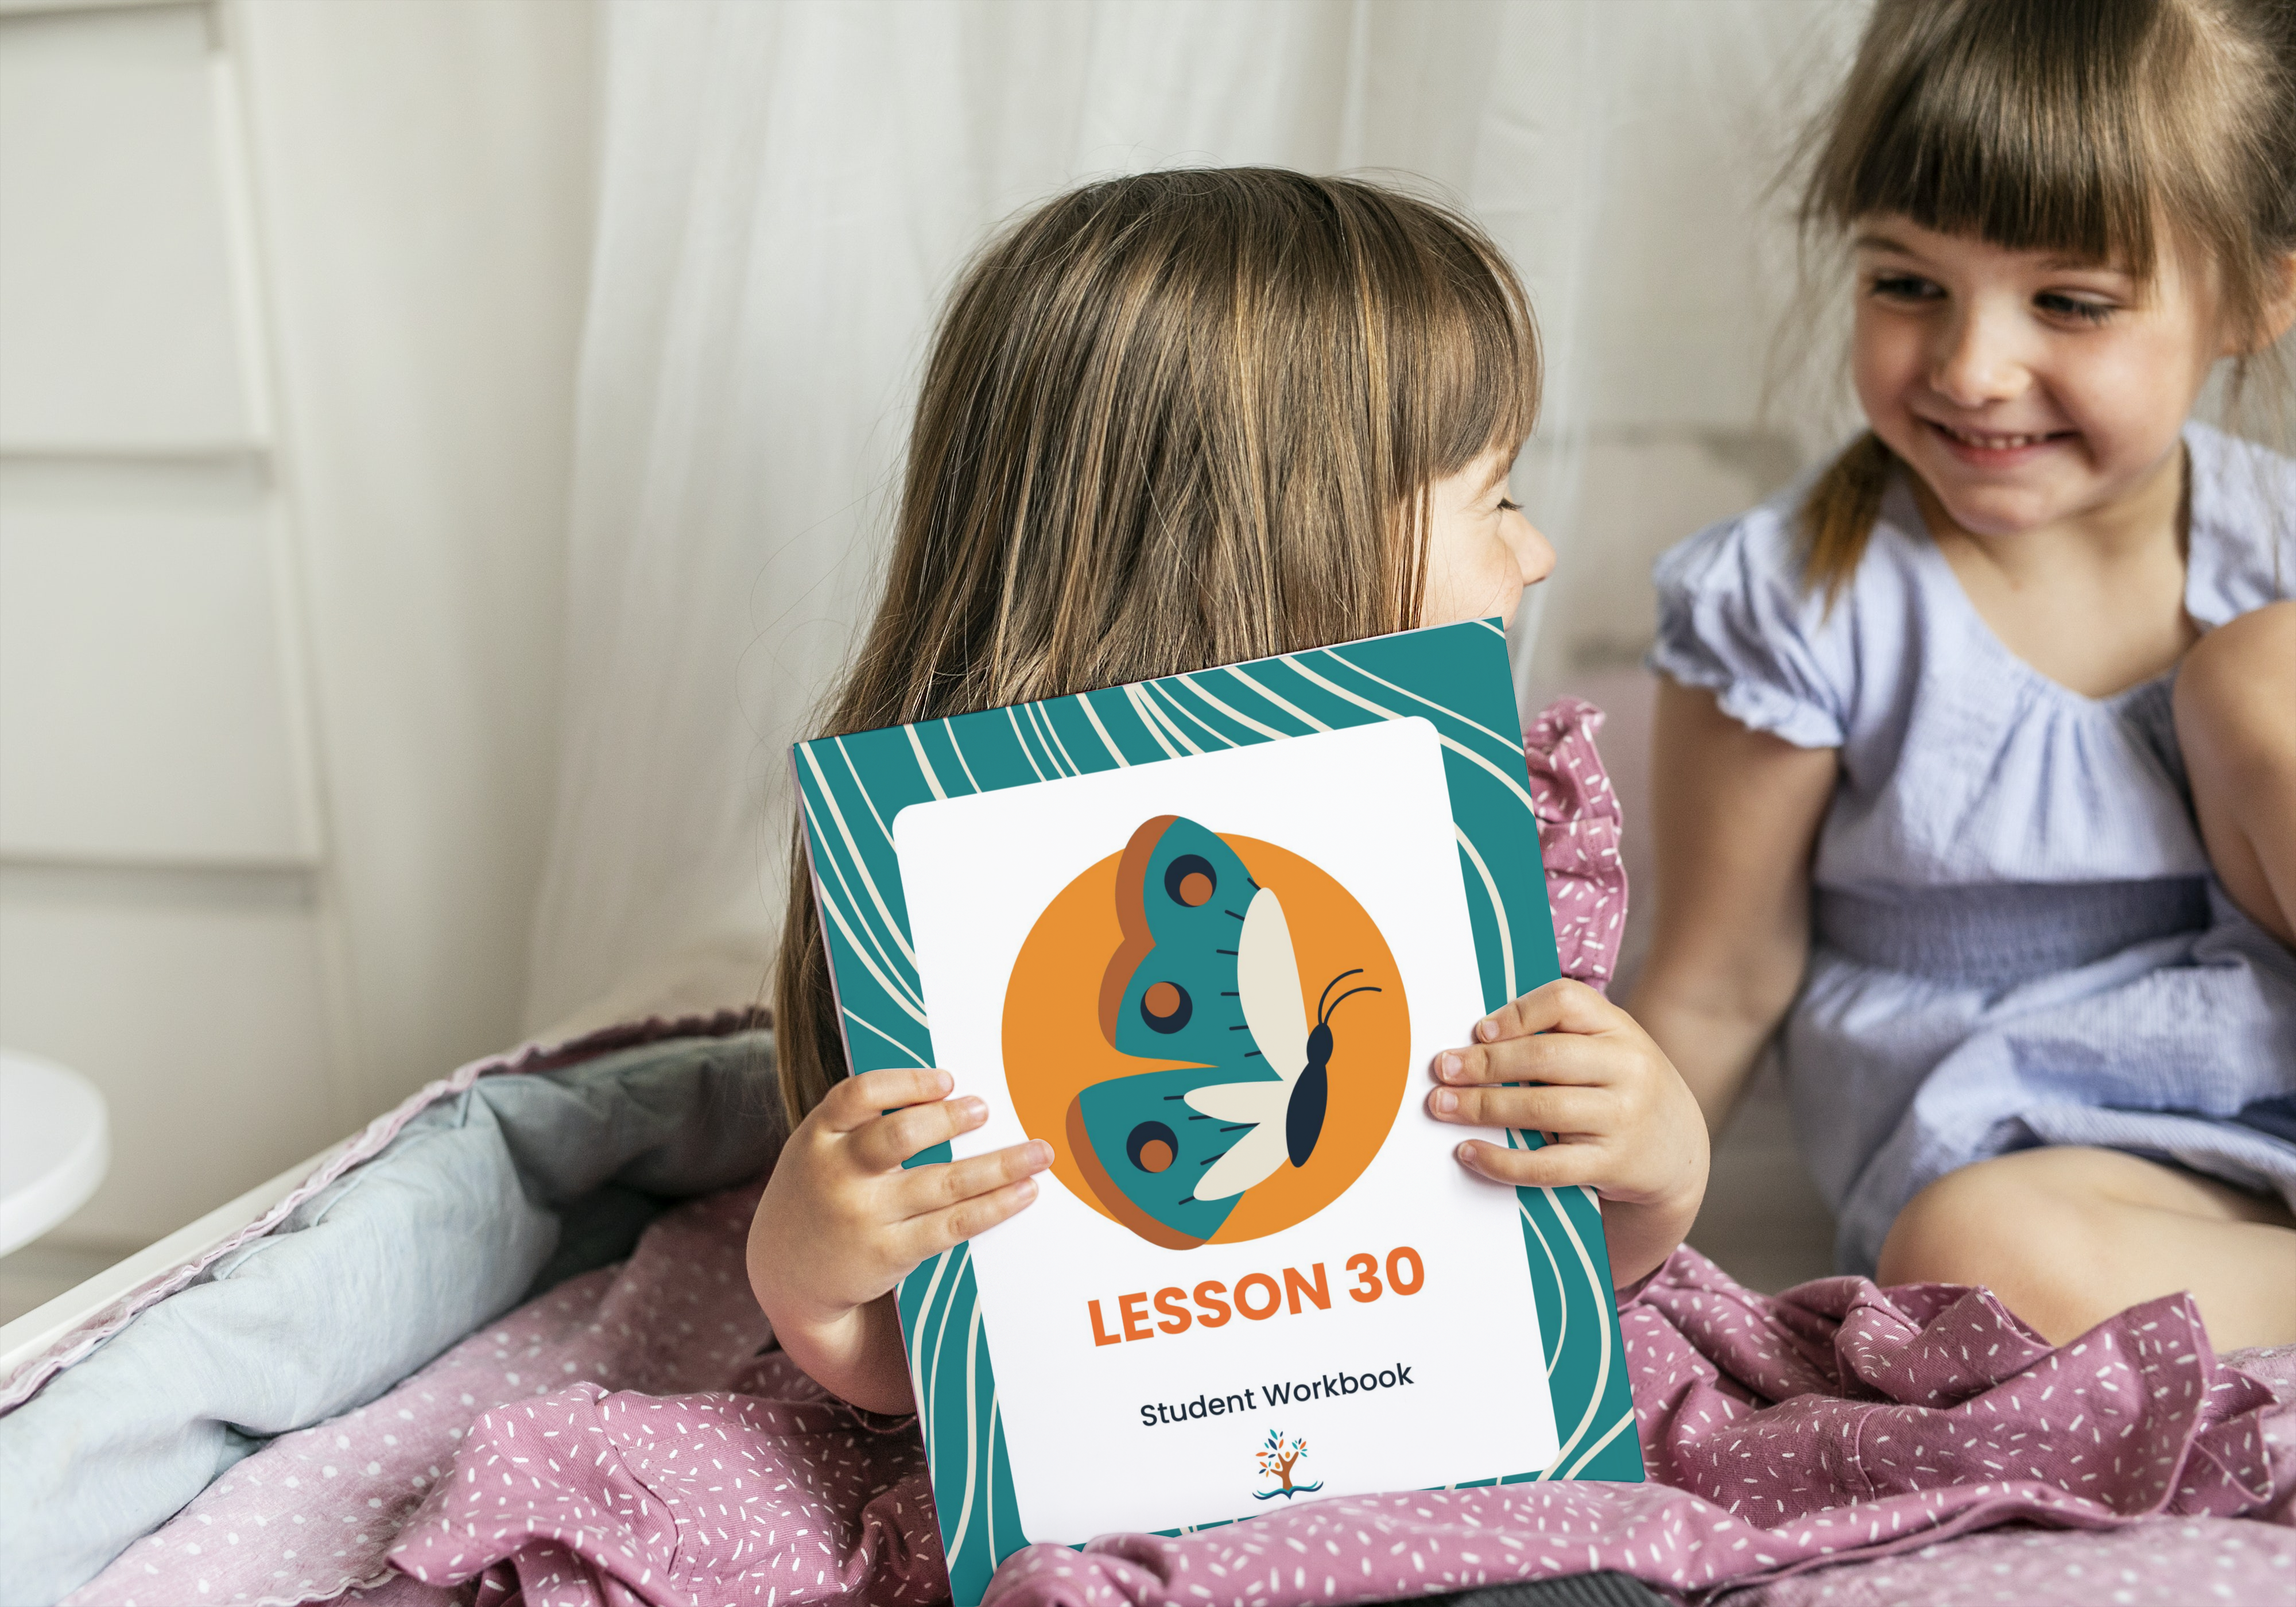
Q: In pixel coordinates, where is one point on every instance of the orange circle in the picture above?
(1161, 1000)
(1195, 887)
(1053, 1049)
(1155, 1155)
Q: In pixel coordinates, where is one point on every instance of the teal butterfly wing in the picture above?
(1142, 1150)
(1171, 993)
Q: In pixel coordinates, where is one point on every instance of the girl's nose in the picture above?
(1532, 550)
(1977, 361)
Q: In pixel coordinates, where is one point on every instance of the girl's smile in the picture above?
(1990, 451)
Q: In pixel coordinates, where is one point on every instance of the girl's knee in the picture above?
(2233, 699)
(2237, 726)
(1995, 1221)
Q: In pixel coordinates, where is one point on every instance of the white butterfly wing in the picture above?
(1268, 977)
(1267, 984)
(1252, 1157)
(1241, 1102)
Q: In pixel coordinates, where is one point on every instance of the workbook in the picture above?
(1204, 936)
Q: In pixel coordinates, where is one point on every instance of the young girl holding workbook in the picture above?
(1977, 754)
(1171, 421)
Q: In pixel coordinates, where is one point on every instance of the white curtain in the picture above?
(787, 190)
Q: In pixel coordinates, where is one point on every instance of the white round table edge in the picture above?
(43, 1183)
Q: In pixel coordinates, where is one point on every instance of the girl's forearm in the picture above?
(856, 1357)
(1641, 1236)
(1715, 1047)
(1735, 817)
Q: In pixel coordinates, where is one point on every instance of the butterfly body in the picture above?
(1303, 1115)
(1205, 973)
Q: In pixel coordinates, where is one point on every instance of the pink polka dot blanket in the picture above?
(632, 1436)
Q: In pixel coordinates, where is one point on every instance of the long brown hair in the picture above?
(2094, 129)
(1168, 422)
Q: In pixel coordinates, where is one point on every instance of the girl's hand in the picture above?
(842, 1222)
(1618, 1117)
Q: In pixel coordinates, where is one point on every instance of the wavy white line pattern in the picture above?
(1456, 677)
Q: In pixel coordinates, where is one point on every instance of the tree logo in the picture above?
(1276, 1458)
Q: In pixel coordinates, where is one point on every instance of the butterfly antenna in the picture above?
(1334, 982)
(1344, 997)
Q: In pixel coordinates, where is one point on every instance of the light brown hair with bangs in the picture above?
(1171, 421)
(2101, 129)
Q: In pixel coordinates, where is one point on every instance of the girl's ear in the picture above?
(2278, 314)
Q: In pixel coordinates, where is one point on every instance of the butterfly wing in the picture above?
(1239, 1102)
(1256, 1153)
(1143, 1152)
(1268, 987)
(1172, 993)
(1267, 979)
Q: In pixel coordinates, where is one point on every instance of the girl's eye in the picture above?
(2063, 305)
(1509, 507)
(1905, 287)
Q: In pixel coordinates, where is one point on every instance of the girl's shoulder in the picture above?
(1761, 546)
(1738, 618)
(2241, 520)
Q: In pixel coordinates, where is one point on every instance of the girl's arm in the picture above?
(1737, 813)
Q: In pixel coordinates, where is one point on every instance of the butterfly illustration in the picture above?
(1205, 973)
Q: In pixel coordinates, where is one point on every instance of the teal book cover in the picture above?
(1203, 935)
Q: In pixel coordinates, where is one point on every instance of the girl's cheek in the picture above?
(1891, 358)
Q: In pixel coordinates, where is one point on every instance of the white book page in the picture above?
(1112, 1421)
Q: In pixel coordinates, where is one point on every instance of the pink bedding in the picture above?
(620, 1440)
(631, 1437)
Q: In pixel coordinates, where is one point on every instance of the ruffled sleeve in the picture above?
(1735, 619)
(1578, 821)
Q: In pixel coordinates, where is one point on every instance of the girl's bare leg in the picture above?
(2068, 1236)
(2236, 722)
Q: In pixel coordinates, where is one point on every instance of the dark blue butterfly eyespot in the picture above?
(1191, 881)
(1166, 1007)
(1152, 1147)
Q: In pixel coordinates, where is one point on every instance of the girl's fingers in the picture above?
(882, 1145)
(1539, 1109)
(1562, 1006)
(859, 1100)
(1553, 1057)
(933, 1232)
(932, 1188)
(1552, 1166)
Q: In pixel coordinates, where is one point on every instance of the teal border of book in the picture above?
(852, 787)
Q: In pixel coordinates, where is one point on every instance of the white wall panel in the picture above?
(119, 322)
(145, 710)
(1644, 491)
(192, 1000)
(423, 185)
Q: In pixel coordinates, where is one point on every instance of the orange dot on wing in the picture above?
(1195, 889)
(1155, 1155)
(1162, 999)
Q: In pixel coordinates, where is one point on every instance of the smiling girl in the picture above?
(1977, 754)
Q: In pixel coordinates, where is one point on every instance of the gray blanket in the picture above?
(485, 1198)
